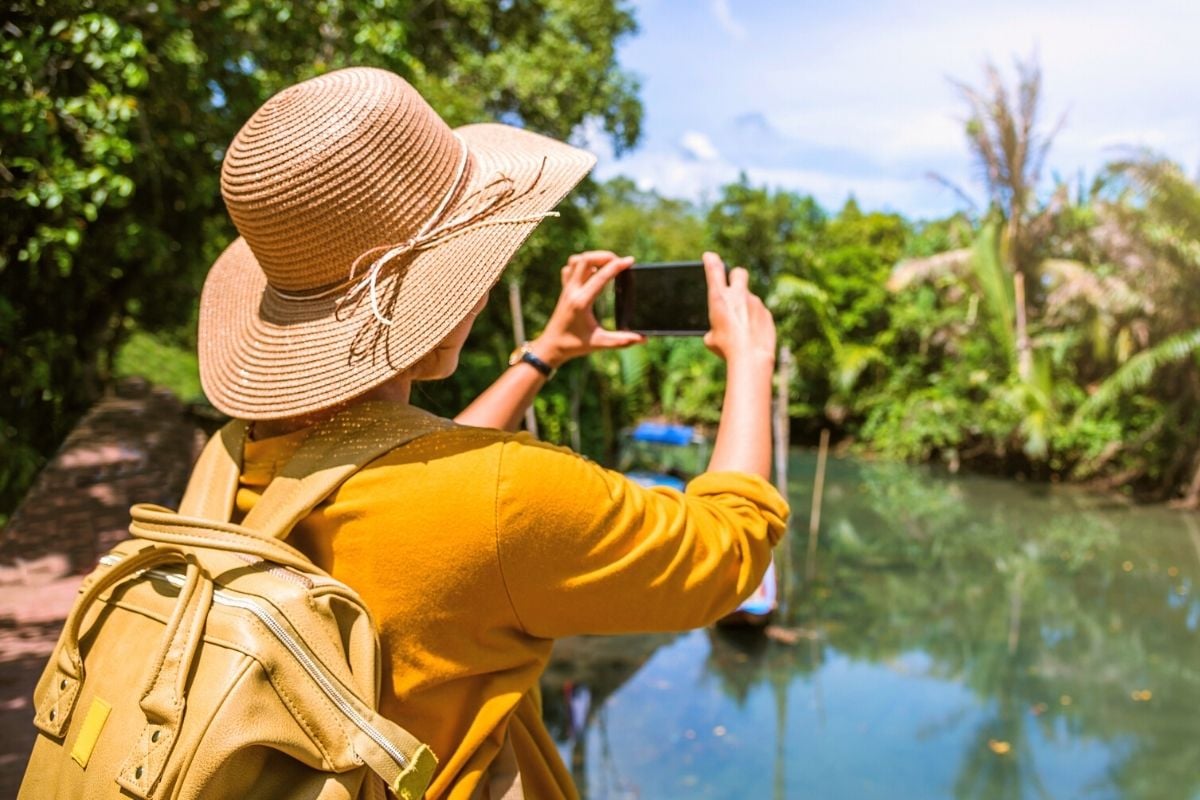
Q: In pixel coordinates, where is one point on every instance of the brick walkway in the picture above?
(136, 445)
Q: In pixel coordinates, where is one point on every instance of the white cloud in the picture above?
(1174, 137)
(832, 189)
(592, 136)
(698, 146)
(675, 174)
(889, 135)
(724, 17)
(840, 97)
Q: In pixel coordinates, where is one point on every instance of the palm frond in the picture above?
(635, 366)
(1071, 281)
(789, 288)
(850, 362)
(791, 293)
(1179, 243)
(1168, 191)
(1136, 373)
(918, 270)
(996, 285)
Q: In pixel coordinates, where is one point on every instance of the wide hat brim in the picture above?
(264, 355)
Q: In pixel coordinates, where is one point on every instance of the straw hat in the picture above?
(369, 230)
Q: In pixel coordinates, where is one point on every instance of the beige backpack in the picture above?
(208, 659)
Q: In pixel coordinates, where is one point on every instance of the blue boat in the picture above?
(760, 607)
(668, 454)
(663, 454)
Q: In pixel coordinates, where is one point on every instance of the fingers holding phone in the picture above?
(699, 298)
(573, 330)
(741, 325)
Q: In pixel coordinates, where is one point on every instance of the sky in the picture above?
(854, 97)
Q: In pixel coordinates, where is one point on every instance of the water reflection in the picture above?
(965, 638)
(576, 686)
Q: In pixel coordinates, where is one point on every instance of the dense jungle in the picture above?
(1048, 330)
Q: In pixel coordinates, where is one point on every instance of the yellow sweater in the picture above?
(475, 549)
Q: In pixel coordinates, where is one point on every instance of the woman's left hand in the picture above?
(573, 330)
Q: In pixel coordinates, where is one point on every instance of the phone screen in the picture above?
(663, 299)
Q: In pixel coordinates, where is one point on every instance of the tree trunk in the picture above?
(1191, 498)
(782, 422)
(518, 323)
(814, 520)
(1024, 352)
(782, 430)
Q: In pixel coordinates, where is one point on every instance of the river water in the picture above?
(959, 637)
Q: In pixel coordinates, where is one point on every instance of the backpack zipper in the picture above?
(278, 570)
(314, 670)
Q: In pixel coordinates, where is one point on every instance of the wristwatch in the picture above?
(525, 353)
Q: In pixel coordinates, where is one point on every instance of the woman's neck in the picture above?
(393, 390)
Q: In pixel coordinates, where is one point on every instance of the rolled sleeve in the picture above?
(586, 550)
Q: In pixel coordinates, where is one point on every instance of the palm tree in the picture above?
(1153, 230)
(1008, 151)
(1008, 264)
(796, 302)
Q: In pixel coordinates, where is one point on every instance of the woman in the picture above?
(371, 236)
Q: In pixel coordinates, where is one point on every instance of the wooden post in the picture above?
(1024, 352)
(782, 422)
(782, 430)
(518, 323)
(814, 520)
(575, 403)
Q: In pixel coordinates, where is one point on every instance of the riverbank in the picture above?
(1014, 468)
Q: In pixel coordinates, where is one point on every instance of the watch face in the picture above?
(525, 353)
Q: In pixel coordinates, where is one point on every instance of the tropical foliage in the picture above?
(1049, 332)
(113, 120)
(1046, 332)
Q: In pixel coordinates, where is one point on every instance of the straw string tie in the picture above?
(498, 193)
(500, 189)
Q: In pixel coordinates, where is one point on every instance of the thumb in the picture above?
(603, 339)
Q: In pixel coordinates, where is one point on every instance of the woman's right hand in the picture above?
(743, 333)
(742, 326)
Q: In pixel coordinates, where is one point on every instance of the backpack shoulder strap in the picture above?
(334, 451)
(212, 488)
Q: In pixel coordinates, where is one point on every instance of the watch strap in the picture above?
(525, 354)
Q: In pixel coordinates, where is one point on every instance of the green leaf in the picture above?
(1137, 372)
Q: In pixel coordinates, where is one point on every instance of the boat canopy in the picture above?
(664, 433)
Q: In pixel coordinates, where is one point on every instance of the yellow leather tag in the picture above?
(89, 734)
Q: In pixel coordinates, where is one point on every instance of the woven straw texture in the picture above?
(326, 171)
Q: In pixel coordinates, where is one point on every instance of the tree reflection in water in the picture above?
(583, 673)
(1059, 623)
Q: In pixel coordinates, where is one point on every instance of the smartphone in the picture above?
(669, 299)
